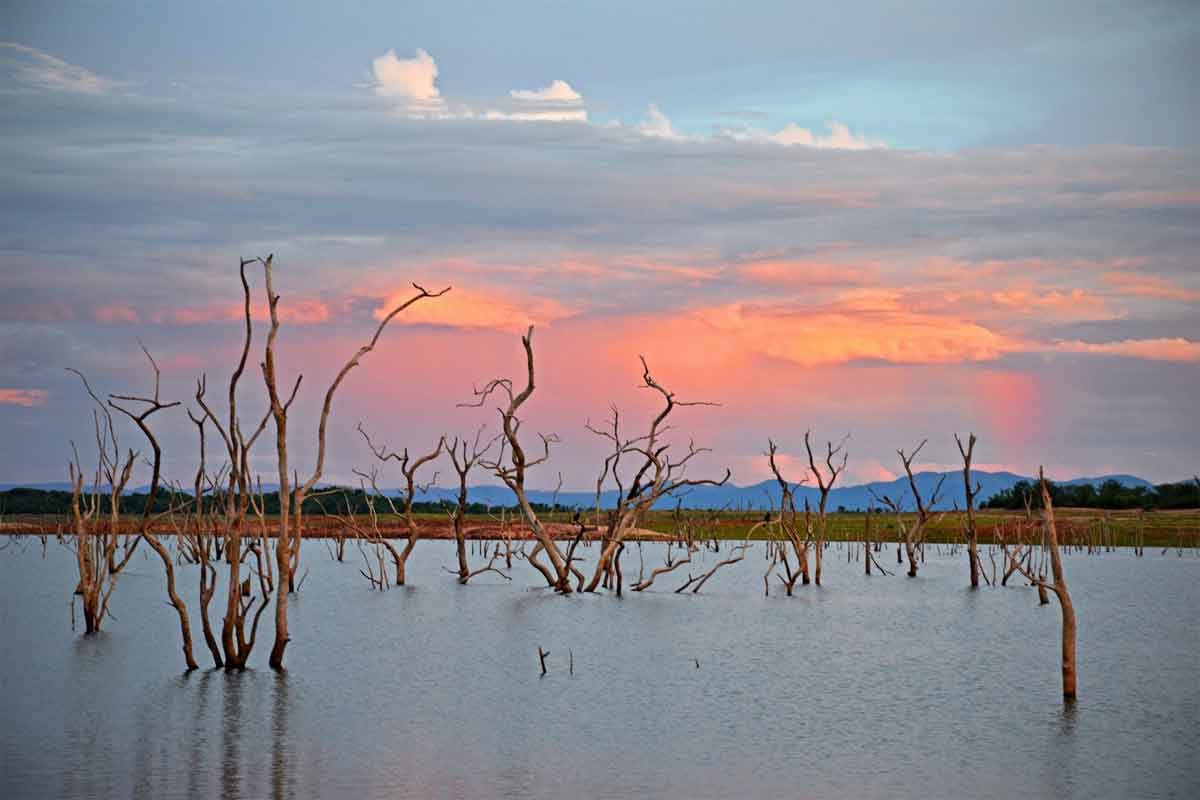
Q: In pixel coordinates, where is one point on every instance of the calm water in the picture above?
(869, 687)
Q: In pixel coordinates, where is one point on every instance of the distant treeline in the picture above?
(37, 501)
(1108, 495)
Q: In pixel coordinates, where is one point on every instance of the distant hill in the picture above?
(765, 494)
(757, 496)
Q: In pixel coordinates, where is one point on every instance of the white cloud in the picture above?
(840, 137)
(413, 81)
(657, 125)
(557, 102)
(45, 71)
(557, 92)
(546, 115)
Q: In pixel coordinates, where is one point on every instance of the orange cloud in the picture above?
(26, 398)
(467, 308)
(1135, 284)
(809, 274)
(861, 325)
(866, 326)
(1182, 350)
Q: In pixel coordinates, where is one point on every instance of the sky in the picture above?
(881, 219)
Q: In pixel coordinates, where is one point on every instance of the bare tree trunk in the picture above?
(1064, 597)
(913, 536)
(824, 484)
(972, 534)
(287, 545)
(513, 473)
(867, 543)
(185, 628)
(1059, 587)
(151, 406)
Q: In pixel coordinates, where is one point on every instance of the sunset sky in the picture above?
(872, 218)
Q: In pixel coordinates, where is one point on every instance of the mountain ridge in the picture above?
(756, 496)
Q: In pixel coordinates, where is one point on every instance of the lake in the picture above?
(867, 687)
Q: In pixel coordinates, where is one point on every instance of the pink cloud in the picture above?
(302, 311)
(807, 274)
(868, 470)
(114, 314)
(26, 398)
(1061, 305)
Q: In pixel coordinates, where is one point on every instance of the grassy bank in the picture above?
(1077, 527)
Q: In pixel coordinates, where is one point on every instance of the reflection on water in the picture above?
(869, 687)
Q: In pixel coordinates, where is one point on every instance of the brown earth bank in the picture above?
(324, 528)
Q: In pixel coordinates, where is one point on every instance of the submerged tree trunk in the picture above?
(1064, 597)
(970, 491)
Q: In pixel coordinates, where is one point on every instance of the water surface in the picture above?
(865, 688)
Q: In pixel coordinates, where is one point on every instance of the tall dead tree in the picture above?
(824, 484)
(1059, 587)
(971, 491)
(200, 534)
(291, 503)
(651, 476)
(791, 530)
(408, 468)
(512, 464)
(144, 408)
(238, 498)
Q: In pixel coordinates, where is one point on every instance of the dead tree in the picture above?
(512, 464)
(824, 484)
(408, 468)
(914, 535)
(97, 540)
(671, 565)
(145, 408)
(238, 498)
(200, 535)
(684, 537)
(1059, 587)
(869, 552)
(652, 475)
(736, 553)
(790, 529)
(971, 490)
(464, 461)
(291, 503)
(376, 573)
